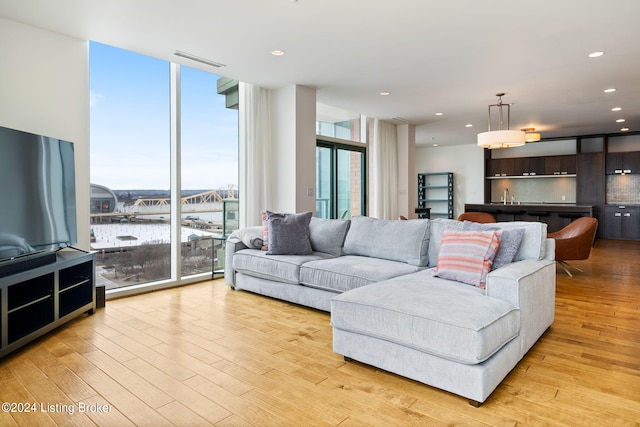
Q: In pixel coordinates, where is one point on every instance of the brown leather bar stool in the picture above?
(481, 217)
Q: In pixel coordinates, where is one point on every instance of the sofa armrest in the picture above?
(232, 245)
(531, 286)
(550, 252)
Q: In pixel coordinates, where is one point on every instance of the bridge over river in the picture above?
(193, 206)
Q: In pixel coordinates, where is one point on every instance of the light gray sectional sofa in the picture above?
(389, 310)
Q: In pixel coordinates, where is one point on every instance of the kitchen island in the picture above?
(555, 215)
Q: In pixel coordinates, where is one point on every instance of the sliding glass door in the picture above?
(340, 180)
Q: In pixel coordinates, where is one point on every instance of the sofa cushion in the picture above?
(350, 271)
(467, 256)
(510, 240)
(283, 268)
(394, 240)
(534, 240)
(327, 235)
(443, 318)
(533, 245)
(288, 233)
(437, 227)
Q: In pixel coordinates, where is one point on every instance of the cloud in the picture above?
(94, 98)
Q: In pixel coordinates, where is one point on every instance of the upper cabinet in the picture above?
(532, 166)
(500, 167)
(560, 165)
(622, 163)
(529, 166)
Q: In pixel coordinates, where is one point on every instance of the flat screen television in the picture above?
(37, 195)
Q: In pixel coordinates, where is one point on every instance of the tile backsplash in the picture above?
(536, 190)
(623, 189)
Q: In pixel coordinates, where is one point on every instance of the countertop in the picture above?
(543, 207)
(546, 204)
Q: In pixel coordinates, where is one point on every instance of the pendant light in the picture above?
(501, 138)
(531, 135)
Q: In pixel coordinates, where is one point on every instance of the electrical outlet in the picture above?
(564, 197)
(310, 191)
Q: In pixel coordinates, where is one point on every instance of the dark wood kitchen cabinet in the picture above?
(621, 222)
(560, 165)
(590, 184)
(500, 167)
(618, 163)
(529, 166)
(516, 166)
(532, 166)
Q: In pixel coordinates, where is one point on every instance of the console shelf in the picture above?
(38, 300)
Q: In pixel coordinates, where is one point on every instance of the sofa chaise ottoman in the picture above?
(446, 334)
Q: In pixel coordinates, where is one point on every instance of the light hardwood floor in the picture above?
(206, 355)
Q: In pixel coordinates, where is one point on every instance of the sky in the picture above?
(130, 124)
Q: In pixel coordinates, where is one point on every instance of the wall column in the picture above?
(294, 156)
(407, 179)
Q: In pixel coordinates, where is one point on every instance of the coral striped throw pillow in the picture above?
(467, 256)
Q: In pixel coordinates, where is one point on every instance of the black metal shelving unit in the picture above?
(435, 191)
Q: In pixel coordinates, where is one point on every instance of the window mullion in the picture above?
(334, 182)
(176, 208)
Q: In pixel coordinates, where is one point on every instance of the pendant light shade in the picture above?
(531, 135)
(501, 138)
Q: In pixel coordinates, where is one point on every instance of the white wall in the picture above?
(44, 89)
(467, 164)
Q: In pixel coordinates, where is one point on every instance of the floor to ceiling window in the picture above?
(132, 158)
(209, 178)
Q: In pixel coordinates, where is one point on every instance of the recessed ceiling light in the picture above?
(624, 129)
(610, 90)
(385, 93)
(468, 125)
(277, 52)
(620, 120)
(435, 145)
(595, 54)
(616, 109)
(439, 114)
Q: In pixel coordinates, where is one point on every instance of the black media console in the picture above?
(36, 300)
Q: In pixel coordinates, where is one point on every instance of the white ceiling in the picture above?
(449, 56)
